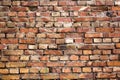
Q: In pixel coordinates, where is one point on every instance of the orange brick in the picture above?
(113, 63)
(74, 57)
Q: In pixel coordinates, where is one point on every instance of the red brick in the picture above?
(14, 19)
(15, 64)
(53, 35)
(106, 47)
(116, 51)
(4, 71)
(35, 64)
(74, 57)
(75, 63)
(87, 47)
(66, 70)
(13, 52)
(86, 52)
(68, 3)
(44, 58)
(55, 64)
(86, 69)
(30, 76)
(9, 30)
(53, 52)
(63, 19)
(114, 34)
(46, 41)
(86, 75)
(9, 41)
(88, 40)
(30, 3)
(22, 46)
(20, 9)
(2, 46)
(102, 18)
(69, 76)
(114, 57)
(83, 29)
(2, 24)
(12, 77)
(115, 8)
(49, 76)
(2, 64)
(105, 29)
(27, 30)
(113, 63)
(106, 75)
(14, 58)
(22, 14)
(83, 19)
(100, 2)
(99, 64)
(66, 30)
(94, 35)
(85, 58)
(117, 45)
(76, 69)
(79, 40)
(12, 14)
(27, 41)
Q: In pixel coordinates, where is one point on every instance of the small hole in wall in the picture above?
(109, 14)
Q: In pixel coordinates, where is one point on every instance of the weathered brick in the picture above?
(27, 30)
(94, 35)
(106, 75)
(46, 41)
(30, 3)
(74, 57)
(30, 76)
(53, 35)
(53, 52)
(20, 9)
(14, 70)
(106, 47)
(63, 19)
(15, 64)
(44, 70)
(27, 41)
(9, 30)
(6, 77)
(2, 46)
(36, 64)
(4, 71)
(99, 63)
(76, 69)
(86, 75)
(13, 52)
(105, 29)
(55, 64)
(66, 70)
(75, 63)
(49, 76)
(69, 76)
(14, 58)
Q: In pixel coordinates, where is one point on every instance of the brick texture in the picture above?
(59, 40)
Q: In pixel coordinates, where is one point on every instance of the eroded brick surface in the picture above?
(59, 39)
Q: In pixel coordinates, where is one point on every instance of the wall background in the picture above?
(60, 39)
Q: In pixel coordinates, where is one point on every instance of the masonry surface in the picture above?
(60, 39)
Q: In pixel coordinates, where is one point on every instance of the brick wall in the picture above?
(60, 39)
